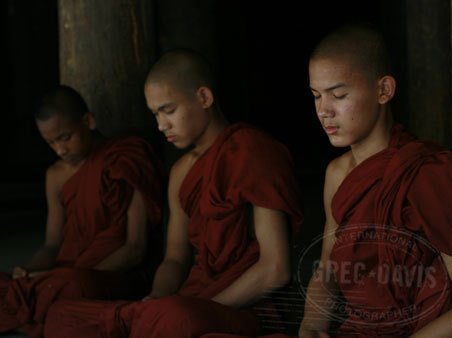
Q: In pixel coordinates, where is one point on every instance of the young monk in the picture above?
(104, 203)
(233, 203)
(386, 247)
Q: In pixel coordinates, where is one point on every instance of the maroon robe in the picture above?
(95, 200)
(225, 335)
(243, 167)
(394, 211)
(394, 215)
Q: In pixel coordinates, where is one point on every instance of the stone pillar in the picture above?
(106, 49)
(429, 59)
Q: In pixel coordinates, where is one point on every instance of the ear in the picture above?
(387, 87)
(205, 96)
(89, 120)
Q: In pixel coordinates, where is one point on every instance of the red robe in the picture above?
(225, 335)
(394, 213)
(95, 200)
(243, 167)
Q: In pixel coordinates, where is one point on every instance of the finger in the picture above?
(35, 273)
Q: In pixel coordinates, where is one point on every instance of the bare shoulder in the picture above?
(337, 170)
(179, 171)
(182, 166)
(57, 174)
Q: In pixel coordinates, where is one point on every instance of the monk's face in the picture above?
(70, 140)
(181, 116)
(346, 101)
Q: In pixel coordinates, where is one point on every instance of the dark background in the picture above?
(262, 62)
(260, 51)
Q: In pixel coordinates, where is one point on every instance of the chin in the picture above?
(338, 142)
(180, 145)
(74, 161)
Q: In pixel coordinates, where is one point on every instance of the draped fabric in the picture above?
(95, 200)
(394, 215)
(243, 167)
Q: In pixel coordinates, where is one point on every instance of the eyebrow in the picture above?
(59, 137)
(63, 134)
(329, 89)
(163, 107)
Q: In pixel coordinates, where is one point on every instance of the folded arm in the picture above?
(173, 270)
(134, 248)
(441, 327)
(45, 256)
(322, 289)
(272, 270)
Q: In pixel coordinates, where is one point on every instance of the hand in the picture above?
(36, 273)
(312, 334)
(19, 272)
(149, 297)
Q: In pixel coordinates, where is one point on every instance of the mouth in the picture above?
(170, 138)
(330, 130)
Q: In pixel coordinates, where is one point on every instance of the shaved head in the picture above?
(183, 69)
(361, 45)
(63, 101)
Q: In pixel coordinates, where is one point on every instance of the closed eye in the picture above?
(316, 95)
(166, 109)
(169, 112)
(65, 137)
(339, 97)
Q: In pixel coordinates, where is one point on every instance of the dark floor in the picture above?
(22, 224)
(13, 335)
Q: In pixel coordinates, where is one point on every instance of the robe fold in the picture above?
(394, 215)
(225, 335)
(95, 200)
(242, 168)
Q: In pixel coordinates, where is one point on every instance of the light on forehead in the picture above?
(59, 120)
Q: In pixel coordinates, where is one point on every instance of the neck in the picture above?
(375, 142)
(212, 131)
(96, 139)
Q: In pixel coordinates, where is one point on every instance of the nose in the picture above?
(61, 149)
(324, 110)
(163, 123)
